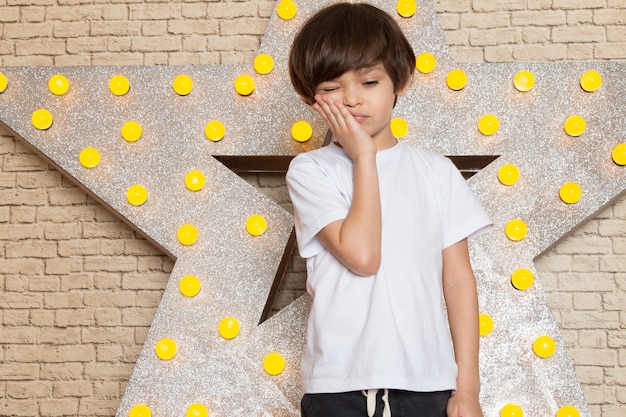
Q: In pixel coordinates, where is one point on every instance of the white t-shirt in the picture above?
(387, 330)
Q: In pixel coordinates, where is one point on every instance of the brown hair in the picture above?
(345, 37)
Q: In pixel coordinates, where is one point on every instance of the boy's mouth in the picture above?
(359, 117)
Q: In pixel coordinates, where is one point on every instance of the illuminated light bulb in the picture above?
(425, 62)
(590, 81)
(619, 154)
(244, 85)
(256, 225)
(197, 410)
(182, 84)
(456, 79)
(568, 411)
(301, 131)
(187, 234)
(485, 324)
(214, 130)
(286, 9)
(136, 195)
(140, 410)
(488, 124)
(511, 410)
(195, 180)
(544, 346)
(42, 119)
(189, 285)
(58, 84)
(524, 81)
(406, 8)
(89, 157)
(119, 85)
(4, 83)
(516, 230)
(570, 192)
(263, 64)
(131, 131)
(575, 125)
(508, 174)
(399, 127)
(166, 349)
(228, 328)
(522, 279)
(274, 363)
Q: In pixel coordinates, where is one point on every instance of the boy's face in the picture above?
(369, 95)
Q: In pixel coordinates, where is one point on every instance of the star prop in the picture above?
(145, 144)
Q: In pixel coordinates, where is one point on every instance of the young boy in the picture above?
(384, 229)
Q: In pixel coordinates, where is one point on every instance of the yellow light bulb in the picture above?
(140, 410)
(187, 234)
(274, 363)
(575, 125)
(544, 346)
(286, 9)
(488, 124)
(228, 328)
(516, 230)
(570, 192)
(568, 411)
(197, 410)
(214, 130)
(256, 225)
(406, 8)
(58, 84)
(195, 180)
(619, 154)
(522, 279)
(263, 64)
(399, 127)
(508, 174)
(182, 84)
(244, 85)
(137, 195)
(42, 119)
(301, 131)
(119, 85)
(511, 410)
(590, 81)
(131, 131)
(4, 83)
(189, 285)
(456, 79)
(524, 81)
(89, 157)
(166, 349)
(425, 62)
(485, 324)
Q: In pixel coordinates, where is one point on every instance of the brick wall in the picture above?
(78, 288)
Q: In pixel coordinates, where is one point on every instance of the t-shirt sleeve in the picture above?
(317, 202)
(464, 217)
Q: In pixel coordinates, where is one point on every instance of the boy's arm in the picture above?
(459, 289)
(355, 240)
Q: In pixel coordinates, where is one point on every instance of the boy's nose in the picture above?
(350, 98)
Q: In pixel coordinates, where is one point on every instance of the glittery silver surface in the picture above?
(236, 270)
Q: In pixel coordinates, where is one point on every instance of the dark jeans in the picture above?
(354, 404)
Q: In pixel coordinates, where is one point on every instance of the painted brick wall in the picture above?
(78, 288)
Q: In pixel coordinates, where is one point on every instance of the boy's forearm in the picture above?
(357, 240)
(462, 303)
(463, 319)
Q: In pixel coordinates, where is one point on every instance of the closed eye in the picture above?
(370, 83)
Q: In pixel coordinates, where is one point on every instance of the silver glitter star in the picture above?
(236, 269)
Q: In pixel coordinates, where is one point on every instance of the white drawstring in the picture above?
(371, 402)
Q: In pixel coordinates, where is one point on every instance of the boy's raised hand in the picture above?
(344, 127)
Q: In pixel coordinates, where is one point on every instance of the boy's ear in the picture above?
(402, 90)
